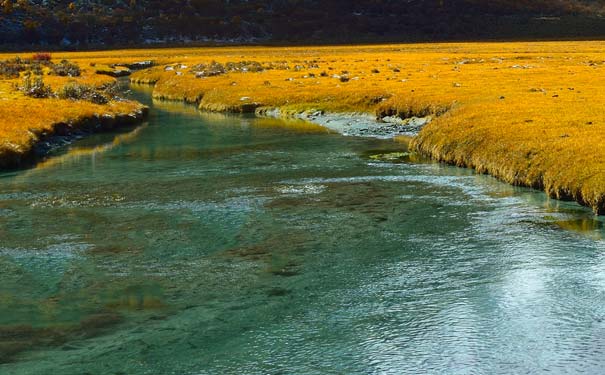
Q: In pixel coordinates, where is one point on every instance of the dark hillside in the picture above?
(105, 22)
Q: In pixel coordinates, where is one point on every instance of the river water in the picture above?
(210, 244)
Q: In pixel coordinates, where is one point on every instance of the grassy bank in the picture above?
(527, 113)
(40, 100)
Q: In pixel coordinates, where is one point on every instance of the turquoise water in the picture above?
(210, 244)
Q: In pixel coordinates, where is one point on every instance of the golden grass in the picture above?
(527, 113)
(25, 120)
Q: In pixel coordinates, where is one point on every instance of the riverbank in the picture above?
(45, 104)
(60, 134)
(30, 132)
(527, 113)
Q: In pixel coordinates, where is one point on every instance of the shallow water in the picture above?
(209, 244)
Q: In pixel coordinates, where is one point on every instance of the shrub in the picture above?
(66, 69)
(12, 67)
(217, 69)
(78, 91)
(42, 56)
(209, 70)
(112, 89)
(36, 88)
(36, 69)
(245, 66)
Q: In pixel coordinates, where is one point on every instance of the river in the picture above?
(211, 244)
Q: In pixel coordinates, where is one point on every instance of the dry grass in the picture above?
(527, 113)
(24, 120)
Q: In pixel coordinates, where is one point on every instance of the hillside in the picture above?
(99, 22)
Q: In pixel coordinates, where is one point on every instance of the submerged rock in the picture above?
(277, 292)
(391, 157)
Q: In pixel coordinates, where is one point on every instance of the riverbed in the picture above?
(212, 244)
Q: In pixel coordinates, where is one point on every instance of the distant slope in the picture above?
(96, 22)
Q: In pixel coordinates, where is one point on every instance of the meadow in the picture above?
(527, 113)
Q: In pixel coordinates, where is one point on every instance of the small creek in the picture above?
(209, 244)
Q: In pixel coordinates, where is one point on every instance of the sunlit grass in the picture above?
(528, 113)
(25, 120)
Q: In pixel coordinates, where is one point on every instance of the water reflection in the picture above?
(591, 227)
(75, 154)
